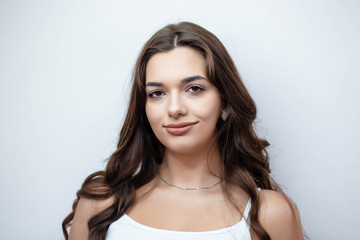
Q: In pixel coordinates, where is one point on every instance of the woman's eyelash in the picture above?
(195, 89)
(155, 94)
(191, 89)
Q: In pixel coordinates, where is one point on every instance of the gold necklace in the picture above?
(189, 188)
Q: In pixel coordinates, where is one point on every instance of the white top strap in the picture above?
(247, 209)
(248, 206)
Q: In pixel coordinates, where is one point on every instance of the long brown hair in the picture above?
(139, 154)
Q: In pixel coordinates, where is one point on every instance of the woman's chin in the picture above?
(185, 148)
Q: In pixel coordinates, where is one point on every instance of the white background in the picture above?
(65, 71)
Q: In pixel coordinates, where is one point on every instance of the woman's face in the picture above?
(181, 105)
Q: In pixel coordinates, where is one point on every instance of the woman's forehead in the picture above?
(178, 63)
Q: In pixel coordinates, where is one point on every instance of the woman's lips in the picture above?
(179, 129)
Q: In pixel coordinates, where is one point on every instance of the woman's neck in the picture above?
(200, 168)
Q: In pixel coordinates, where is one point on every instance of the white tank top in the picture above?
(126, 228)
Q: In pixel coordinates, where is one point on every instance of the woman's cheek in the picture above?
(154, 115)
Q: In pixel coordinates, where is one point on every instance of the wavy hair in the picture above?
(245, 160)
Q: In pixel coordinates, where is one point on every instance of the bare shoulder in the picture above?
(274, 204)
(85, 210)
(279, 216)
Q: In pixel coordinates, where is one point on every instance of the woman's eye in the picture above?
(156, 94)
(195, 89)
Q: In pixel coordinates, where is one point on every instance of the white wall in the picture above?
(65, 68)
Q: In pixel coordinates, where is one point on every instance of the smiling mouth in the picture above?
(179, 129)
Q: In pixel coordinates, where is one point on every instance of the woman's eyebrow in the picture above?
(192, 78)
(185, 80)
(154, 84)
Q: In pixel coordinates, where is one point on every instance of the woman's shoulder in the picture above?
(91, 207)
(279, 215)
(273, 202)
(86, 209)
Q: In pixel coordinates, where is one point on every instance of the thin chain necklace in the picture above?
(189, 188)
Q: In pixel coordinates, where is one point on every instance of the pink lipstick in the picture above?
(179, 129)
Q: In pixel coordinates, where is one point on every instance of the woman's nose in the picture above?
(177, 106)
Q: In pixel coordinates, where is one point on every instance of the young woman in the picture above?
(188, 164)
